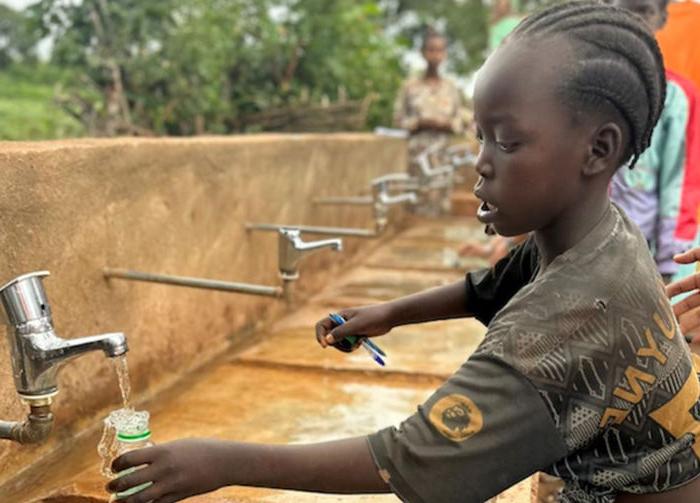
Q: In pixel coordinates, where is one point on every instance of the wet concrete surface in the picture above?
(449, 231)
(285, 388)
(364, 285)
(419, 255)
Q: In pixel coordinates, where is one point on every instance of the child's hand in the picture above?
(177, 469)
(369, 321)
(686, 313)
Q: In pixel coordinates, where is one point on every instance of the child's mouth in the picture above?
(487, 212)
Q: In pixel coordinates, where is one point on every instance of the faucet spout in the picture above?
(292, 248)
(112, 345)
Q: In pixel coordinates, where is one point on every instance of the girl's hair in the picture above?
(618, 65)
(429, 34)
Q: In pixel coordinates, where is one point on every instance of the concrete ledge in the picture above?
(172, 206)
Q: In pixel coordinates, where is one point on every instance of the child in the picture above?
(660, 193)
(583, 371)
(430, 107)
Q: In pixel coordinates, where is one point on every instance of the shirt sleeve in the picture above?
(489, 290)
(671, 151)
(483, 431)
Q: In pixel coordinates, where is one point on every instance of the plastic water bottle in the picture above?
(132, 432)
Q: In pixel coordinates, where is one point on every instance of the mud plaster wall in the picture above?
(174, 206)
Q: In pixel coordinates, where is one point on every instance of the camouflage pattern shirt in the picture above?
(420, 99)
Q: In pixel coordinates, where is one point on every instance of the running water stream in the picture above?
(107, 448)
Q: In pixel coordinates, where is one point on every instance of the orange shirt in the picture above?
(680, 40)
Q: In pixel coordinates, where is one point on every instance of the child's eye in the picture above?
(507, 147)
(479, 136)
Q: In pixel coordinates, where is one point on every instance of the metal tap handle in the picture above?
(405, 197)
(24, 299)
(293, 236)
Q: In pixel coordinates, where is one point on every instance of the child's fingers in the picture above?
(323, 327)
(133, 479)
(689, 321)
(134, 458)
(692, 255)
(339, 333)
(684, 285)
(685, 305)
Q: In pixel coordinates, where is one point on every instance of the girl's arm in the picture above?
(185, 468)
(441, 303)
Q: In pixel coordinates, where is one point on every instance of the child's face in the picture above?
(435, 51)
(532, 151)
(652, 12)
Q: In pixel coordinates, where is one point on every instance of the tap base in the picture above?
(44, 398)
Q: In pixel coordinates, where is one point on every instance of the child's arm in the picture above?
(185, 468)
(439, 303)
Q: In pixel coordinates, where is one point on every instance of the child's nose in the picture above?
(483, 166)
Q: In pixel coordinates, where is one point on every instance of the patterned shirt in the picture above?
(438, 100)
(582, 373)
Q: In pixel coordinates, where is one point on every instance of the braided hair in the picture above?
(618, 66)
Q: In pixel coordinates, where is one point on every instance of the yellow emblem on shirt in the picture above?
(456, 417)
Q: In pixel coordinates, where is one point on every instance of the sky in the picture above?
(17, 4)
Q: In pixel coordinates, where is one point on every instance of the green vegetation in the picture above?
(28, 110)
(180, 67)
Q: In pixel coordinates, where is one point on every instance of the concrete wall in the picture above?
(174, 206)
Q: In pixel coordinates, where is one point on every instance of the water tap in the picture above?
(37, 352)
(382, 198)
(292, 248)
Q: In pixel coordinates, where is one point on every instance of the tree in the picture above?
(190, 66)
(464, 22)
(17, 40)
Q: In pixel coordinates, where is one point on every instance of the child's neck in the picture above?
(570, 228)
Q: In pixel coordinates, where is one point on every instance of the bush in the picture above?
(191, 66)
(28, 108)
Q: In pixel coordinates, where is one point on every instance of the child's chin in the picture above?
(505, 230)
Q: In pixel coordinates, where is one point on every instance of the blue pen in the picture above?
(374, 351)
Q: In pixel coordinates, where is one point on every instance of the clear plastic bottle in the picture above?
(131, 432)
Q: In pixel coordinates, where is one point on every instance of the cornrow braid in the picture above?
(618, 65)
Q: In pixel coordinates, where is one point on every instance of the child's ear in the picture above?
(605, 149)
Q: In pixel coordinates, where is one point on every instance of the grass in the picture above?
(27, 107)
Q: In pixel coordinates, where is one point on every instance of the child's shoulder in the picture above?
(603, 291)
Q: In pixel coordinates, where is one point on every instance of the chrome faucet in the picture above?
(292, 248)
(381, 198)
(37, 353)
